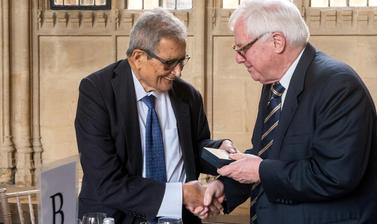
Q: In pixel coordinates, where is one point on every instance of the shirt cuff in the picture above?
(171, 204)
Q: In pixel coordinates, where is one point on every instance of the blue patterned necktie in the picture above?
(154, 146)
(270, 124)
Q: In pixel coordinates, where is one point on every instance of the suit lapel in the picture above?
(181, 110)
(125, 102)
(296, 86)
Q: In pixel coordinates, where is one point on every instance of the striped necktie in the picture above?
(270, 124)
(154, 146)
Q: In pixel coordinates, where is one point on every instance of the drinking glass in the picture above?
(93, 218)
(169, 220)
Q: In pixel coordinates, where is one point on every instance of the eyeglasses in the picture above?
(169, 64)
(242, 50)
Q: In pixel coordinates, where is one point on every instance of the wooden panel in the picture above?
(122, 46)
(235, 96)
(193, 70)
(64, 61)
(357, 51)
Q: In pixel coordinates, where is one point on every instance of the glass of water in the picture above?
(169, 220)
(93, 218)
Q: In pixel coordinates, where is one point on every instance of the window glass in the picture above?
(338, 3)
(184, 4)
(167, 4)
(319, 3)
(58, 2)
(87, 2)
(80, 4)
(135, 4)
(71, 2)
(358, 3)
(100, 2)
(343, 3)
(230, 4)
(150, 4)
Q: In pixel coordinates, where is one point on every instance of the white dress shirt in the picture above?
(286, 79)
(175, 173)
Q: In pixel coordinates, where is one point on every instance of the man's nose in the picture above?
(240, 59)
(177, 71)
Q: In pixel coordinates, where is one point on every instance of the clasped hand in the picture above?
(195, 201)
(244, 170)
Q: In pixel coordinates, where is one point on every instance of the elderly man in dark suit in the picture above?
(314, 155)
(140, 129)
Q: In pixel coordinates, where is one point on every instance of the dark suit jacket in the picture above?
(108, 137)
(322, 168)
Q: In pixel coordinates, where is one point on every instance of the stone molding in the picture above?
(62, 21)
(6, 143)
(321, 21)
(20, 125)
(20, 106)
(334, 21)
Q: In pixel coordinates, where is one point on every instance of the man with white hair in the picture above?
(314, 155)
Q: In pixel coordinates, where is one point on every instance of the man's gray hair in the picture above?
(152, 26)
(268, 16)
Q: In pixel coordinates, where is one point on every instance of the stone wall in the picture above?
(45, 53)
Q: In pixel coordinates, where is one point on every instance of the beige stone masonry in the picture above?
(45, 53)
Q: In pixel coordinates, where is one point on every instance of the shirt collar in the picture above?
(286, 79)
(139, 90)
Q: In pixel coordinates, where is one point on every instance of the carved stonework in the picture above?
(116, 16)
(183, 16)
(224, 16)
(20, 67)
(37, 157)
(6, 161)
(71, 20)
(212, 17)
(25, 168)
(6, 143)
(342, 21)
(39, 18)
(126, 21)
(220, 19)
(100, 20)
(61, 19)
(74, 20)
(87, 20)
(48, 19)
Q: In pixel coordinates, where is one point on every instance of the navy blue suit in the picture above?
(108, 137)
(322, 168)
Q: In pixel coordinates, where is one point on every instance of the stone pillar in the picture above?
(199, 30)
(6, 145)
(21, 94)
(36, 130)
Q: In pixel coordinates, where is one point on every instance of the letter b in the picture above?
(59, 211)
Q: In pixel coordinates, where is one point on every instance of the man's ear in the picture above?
(279, 42)
(138, 58)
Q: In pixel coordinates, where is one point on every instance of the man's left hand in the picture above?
(194, 196)
(244, 170)
(228, 146)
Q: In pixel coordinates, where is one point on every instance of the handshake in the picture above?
(203, 200)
